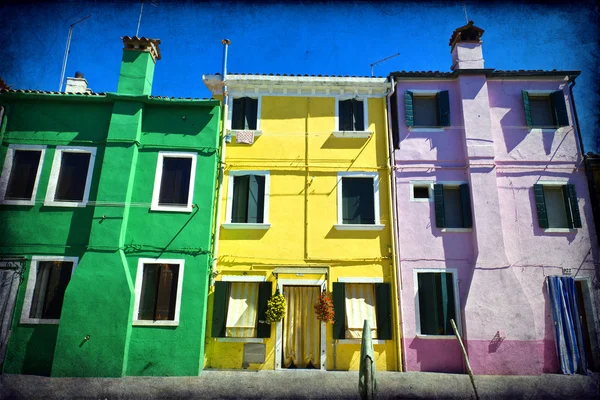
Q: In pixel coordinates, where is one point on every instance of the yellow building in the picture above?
(305, 207)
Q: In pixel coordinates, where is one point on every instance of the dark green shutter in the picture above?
(559, 107)
(239, 209)
(574, 206)
(263, 328)
(428, 306)
(540, 205)
(465, 202)
(394, 118)
(567, 200)
(438, 198)
(358, 113)
(525, 96)
(238, 114)
(443, 101)
(250, 113)
(339, 306)
(256, 199)
(220, 304)
(345, 115)
(408, 108)
(383, 306)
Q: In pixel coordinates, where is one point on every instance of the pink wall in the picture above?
(502, 263)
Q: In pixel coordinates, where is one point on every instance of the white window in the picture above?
(557, 206)
(351, 115)
(46, 285)
(71, 176)
(358, 201)
(158, 286)
(248, 200)
(436, 302)
(421, 191)
(244, 113)
(21, 174)
(174, 182)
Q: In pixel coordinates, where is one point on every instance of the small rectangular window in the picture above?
(557, 206)
(248, 199)
(358, 200)
(545, 110)
(159, 292)
(436, 303)
(427, 110)
(23, 174)
(72, 176)
(452, 206)
(351, 115)
(421, 192)
(52, 278)
(244, 114)
(175, 182)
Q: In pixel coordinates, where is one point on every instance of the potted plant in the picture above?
(324, 308)
(275, 308)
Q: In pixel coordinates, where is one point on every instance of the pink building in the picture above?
(491, 199)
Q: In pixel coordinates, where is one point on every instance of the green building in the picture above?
(107, 212)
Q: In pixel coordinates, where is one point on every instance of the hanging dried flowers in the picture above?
(324, 308)
(275, 308)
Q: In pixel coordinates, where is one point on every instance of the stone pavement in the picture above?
(215, 384)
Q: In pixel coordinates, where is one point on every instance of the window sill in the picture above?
(186, 209)
(18, 202)
(358, 341)
(447, 337)
(359, 227)
(559, 230)
(246, 226)
(65, 203)
(233, 132)
(546, 129)
(426, 129)
(457, 229)
(352, 134)
(155, 323)
(39, 321)
(421, 200)
(239, 340)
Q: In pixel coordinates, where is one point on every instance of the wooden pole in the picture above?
(466, 358)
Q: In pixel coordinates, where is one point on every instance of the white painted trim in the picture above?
(239, 225)
(231, 175)
(53, 181)
(7, 169)
(559, 230)
(352, 134)
(31, 280)
(375, 176)
(548, 130)
(426, 129)
(243, 278)
(138, 290)
(428, 184)
(360, 280)
(358, 227)
(155, 206)
(456, 229)
(359, 341)
(442, 337)
(236, 95)
(457, 307)
(365, 101)
(239, 340)
(552, 183)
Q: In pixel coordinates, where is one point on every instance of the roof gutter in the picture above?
(580, 139)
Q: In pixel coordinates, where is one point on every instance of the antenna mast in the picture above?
(66, 56)
(382, 60)
(465, 10)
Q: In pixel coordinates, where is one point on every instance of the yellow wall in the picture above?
(303, 157)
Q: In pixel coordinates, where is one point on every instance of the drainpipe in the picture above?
(397, 289)
(213, 270)
(572, 84)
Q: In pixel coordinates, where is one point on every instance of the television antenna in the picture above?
(382, 60)
(140, 18)
(67, 50)
(465, 10)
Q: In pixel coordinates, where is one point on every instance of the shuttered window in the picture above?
(557, 206)
(239, 309)
(158, 297)
(52, 278)
(351, 115)
(427, 110)
(452, 206)
(358, 200)
(175, 181)
(248, 199)
(244, 114)
(23, 174)
(72, 176)
(436, 303)
(545, 110)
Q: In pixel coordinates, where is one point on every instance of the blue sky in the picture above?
(297, 38)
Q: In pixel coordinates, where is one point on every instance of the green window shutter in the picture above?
(358, 113)
(443, 101)
(540, 205)
(345, 120)
(383, 300)
(239, 209)
(574, 206)
(559, 107)
(525, 96)
(220, 304)
(250, 113)
(408, 108)
(265, 290)
(339, 306)
(256, 199)
(567, 200)
(428, 306)
(465, 202)
(438, 198)
(238, 114)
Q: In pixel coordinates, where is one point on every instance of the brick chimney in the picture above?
(77, 84)
(465, 46)
(137, 66)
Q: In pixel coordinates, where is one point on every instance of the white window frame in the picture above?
(425, 93)
(7, 169)
(233, 132)
(364, 133)
(158, 180)
(139, 277)
(556, 184)
(240, 225)
(457, 307)
(453, 184)
(428, 184)
(31, 281)
(53, 181)
(377, 226)
(360, 280)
